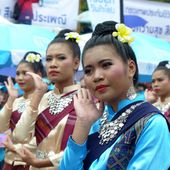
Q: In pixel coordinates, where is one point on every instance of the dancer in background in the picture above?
(161, 87)
(14, 107)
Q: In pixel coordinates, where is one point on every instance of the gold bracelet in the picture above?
(9, 108)
(34, 111)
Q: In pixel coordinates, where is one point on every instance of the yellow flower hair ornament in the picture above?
(31, 57)
(72, 35)
(123, 33)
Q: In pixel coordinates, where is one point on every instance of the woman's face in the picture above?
(25, 81)
(60, 63)
(106, 75)
(161, 83)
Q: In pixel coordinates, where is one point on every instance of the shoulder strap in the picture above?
(93, 146)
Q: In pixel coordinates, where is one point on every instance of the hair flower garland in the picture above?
(31, 57)
(123, 33)
(167, 65)
(72, 35)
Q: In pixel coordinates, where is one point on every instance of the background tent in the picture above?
(16, 40)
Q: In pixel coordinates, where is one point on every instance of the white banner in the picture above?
(60, 13)
(102, 10)
(53, 13)
(6, 8)
(148, 17)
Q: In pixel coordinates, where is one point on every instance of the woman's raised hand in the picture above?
(13, 92)
(40, 86)
(150, 96)
(87, 114)
(85, 107)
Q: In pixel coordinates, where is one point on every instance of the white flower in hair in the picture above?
(168, 65)
(31, 57)
(37, 58)
(72, 35)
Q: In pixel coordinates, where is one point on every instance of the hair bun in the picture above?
(62, 33)
(163, 63)
(104, 28)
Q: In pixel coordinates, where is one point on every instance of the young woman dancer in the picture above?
(15, 106)
(132, 134)
(53, 118)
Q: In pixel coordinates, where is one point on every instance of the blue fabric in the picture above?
(3, 88)
(2, 154)
(1, 164)
(151, 152)
(95, 149)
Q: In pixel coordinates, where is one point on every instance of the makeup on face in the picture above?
(105, 73)
(24, 80)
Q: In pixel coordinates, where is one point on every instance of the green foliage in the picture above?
(83, 5)
(84, 27)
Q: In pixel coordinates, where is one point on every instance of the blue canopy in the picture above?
(8, 71)
(17, 39)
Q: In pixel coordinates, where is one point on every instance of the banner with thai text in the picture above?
(52, 13)
(62, 13)
(148, 17)
(102, 10)
(6, 8)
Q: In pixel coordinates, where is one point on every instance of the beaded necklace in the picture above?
(58, 103)
(108, 130)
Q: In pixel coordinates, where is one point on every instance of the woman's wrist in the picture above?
(8, 107)
(41, 163)
(35, 163)
(40, 91)
(81, 131)
(84, 122)
(33, 109)
(11, 98)
(9, 103)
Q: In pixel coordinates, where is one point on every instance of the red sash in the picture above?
(68, 130)
(14, 119)
(47, 122)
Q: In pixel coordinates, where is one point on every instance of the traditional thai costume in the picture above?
(164, 107)
(52, 126)
(135, 138)
(8, 120)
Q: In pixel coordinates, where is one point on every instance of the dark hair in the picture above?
(60, 38)
(163, 66)
(144, 86)
(103, 35)
(36, 66)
